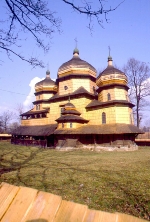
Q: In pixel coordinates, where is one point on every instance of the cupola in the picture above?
(111, 75)
(76, 66)
(46, 84)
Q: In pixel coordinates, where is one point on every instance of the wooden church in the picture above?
(80, 110)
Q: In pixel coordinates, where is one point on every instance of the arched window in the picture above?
(70, 125)
(108, 97)
(103, 118)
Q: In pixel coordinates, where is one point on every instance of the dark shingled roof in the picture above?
(76, 62)
(75, 112)
(46, 82)
(118, 128)
(110, 70)
(69, 105)
(30, 112)
(96, 103)
(79, 92)
(44, 130)
(74, 118)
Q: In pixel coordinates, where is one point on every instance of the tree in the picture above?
(5, 120)
(20, 109)
(138, 74)
(35, 18)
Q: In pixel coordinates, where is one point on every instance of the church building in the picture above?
(80, 110)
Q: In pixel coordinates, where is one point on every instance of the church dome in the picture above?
(111, 75)
(46, 83)
(76, 66)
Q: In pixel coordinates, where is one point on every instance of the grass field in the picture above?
(108, 181)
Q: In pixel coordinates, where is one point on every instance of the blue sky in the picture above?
(127, 33)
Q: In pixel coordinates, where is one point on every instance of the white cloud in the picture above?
(30, 98)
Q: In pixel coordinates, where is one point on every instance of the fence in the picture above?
(30, 205)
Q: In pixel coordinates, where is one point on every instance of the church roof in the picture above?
(111, 70)
(70, 117)
(46, 110)
(96, 103)
(118, 128)
(76, 62)
(47, 81)
(79, 92)
(69, 105)
(42, 130)
(75, 112)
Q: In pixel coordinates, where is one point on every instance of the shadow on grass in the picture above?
(80, 176)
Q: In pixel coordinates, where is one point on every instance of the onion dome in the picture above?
(76, 66)
(46, 84)
(111, 75)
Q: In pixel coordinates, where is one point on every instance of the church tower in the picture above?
(113, 93)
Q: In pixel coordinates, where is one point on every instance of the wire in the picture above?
(16, 93)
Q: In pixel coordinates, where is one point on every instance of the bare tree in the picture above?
(20, 109)
(5, 120)
(138, 73)
(86, 8)
(34, 18)
(13, 126)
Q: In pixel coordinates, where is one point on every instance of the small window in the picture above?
(62, 125)
(65, 87)
(108, 97)
(61, 110)
(37, 107)
(70, 125)
(103, 118)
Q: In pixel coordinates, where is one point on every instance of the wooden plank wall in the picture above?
(22, 204)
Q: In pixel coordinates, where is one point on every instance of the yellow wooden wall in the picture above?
(74, 84)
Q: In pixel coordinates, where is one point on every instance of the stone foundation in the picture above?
(74, 144)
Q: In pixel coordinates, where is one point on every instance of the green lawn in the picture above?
(108, 181)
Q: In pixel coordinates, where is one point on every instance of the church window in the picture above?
(37, 107)
(108, 97)
(65, 87)
(103, 118)
(94, 89)
(70, 125)
(61, 110)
